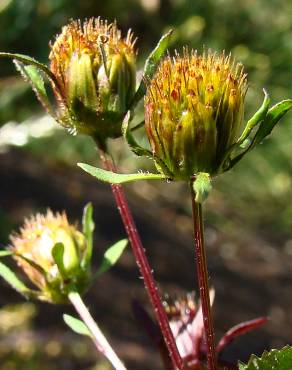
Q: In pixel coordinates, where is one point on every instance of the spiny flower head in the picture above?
(33, 249)
(194, 112)
(94, 67)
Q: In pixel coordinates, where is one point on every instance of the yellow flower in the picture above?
(194, 112)
(33, 249)
(95, 73)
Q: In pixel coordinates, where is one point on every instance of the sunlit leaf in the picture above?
(5, 253)
(112, 255)
(273, 116)
(76, 325)
(30, 61)
(88, 228)
(275, 359)
(32, 74)
(258, 117)
(116, 178)
(151, 65)
(10, 277)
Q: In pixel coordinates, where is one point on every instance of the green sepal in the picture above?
(258, 117)
(76, 325)
(151, 66)
(140, 151)
(32, 75)
(275, 359)
(58, 256)
(87, 228)
(30, 61)
(202, 186)
(111, 256)
(135, 147)
(116, 178)
(10, 277)
(272, 118)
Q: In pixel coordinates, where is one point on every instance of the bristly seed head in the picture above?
(96, 72)
(194, 111)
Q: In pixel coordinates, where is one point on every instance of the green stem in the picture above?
(98, 338)
(202, 272)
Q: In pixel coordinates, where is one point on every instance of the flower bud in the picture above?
(33, 250)
(194, 111)
(96, 75)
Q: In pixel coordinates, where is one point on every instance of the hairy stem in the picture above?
(202, 272)
(97, 336)
(143, 264)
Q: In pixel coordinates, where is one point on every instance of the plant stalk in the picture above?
(97, 336)
(202, 272)
(143, 264)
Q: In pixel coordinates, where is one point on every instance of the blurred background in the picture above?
(248, 216)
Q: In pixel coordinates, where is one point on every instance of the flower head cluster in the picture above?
(50, 251)
(194, 111)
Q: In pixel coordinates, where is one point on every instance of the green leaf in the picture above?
(88, 228)
(258, 117)
(202, 186)
(76, 325)
(58, 256)
(273, 116)
(275, 359)
(111, 256)
(31, 61)
(5, 253)
(151, 66)
(116, 178)
(10, 277)
(32, 74)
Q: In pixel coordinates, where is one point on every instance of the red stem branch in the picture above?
(202, 272)
(143, 264)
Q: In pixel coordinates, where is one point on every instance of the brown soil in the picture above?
(252, 277)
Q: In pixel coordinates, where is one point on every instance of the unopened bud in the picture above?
(194, 111)
(96, 73)
(33, 250)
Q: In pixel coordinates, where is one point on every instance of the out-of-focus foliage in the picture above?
(23, 347)
(258, 33)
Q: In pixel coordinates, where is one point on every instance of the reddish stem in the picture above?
(202, 272)
(143, 264)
